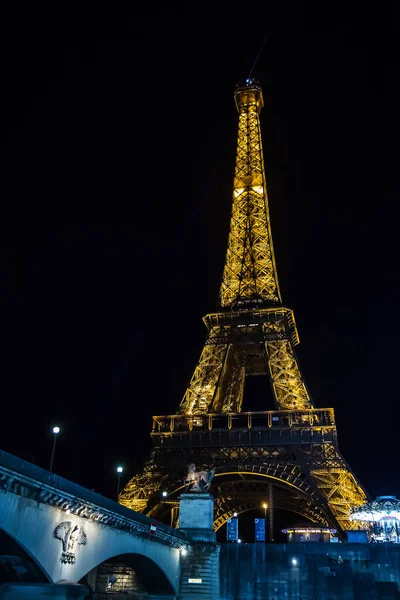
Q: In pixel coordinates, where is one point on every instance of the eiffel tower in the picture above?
(288, 456)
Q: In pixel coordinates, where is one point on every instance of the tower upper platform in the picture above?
(249, 94)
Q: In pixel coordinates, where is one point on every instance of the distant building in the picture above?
(310, 533)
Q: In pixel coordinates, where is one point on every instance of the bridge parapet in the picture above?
(24, 479)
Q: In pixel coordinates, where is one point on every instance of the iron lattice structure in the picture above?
(295, 447)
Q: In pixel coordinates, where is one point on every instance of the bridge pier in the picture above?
(200, 564)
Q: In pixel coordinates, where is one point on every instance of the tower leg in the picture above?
(175, 516)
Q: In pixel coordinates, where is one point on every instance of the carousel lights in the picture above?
(383, 507)
(375, 516)
(381, 518)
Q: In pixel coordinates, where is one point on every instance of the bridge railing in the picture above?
(19, 477)
(272, 419)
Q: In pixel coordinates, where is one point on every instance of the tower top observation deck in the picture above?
(249, 94)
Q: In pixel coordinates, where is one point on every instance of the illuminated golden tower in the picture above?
(289, 455)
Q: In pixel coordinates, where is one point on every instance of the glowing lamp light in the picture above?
(119, 469)
(239, 541)
(238, 191)
(294, 561)
(183, 551)
(55, 431)
(165, 494)
(258, 189)
(265, 505)
(235, 514)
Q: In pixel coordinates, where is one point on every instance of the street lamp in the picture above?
(119, 471)
(164, 494)
(55, 431)
(265, 506)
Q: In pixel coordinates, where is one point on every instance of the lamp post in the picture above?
(119, 471)
(265, 506)
(56, 430)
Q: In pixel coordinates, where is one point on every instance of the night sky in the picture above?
(118, 133)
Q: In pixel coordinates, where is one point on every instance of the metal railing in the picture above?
(260, 420)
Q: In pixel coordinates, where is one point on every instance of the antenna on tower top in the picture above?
(266, 36)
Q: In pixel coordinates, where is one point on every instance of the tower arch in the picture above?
(14, 554)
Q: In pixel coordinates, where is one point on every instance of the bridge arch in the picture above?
(33, 525)
(129, 573)
(11, 547)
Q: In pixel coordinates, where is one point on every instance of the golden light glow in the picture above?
(250, 270)
(253, 334)
(339, 486)
(288, 385)
(237, 192)
(217, 384)
(258, 189)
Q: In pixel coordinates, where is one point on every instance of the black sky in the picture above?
(118, 136)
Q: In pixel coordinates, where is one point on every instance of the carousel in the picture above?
(380, 519)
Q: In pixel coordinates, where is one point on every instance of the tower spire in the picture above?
(250, 277)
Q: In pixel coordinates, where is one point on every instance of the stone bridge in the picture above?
(68, 531)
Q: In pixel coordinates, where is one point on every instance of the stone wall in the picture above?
(309, 571)
(115, 577)
(200, 572)
(39, 591)
(33, 524)
(200, 564)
